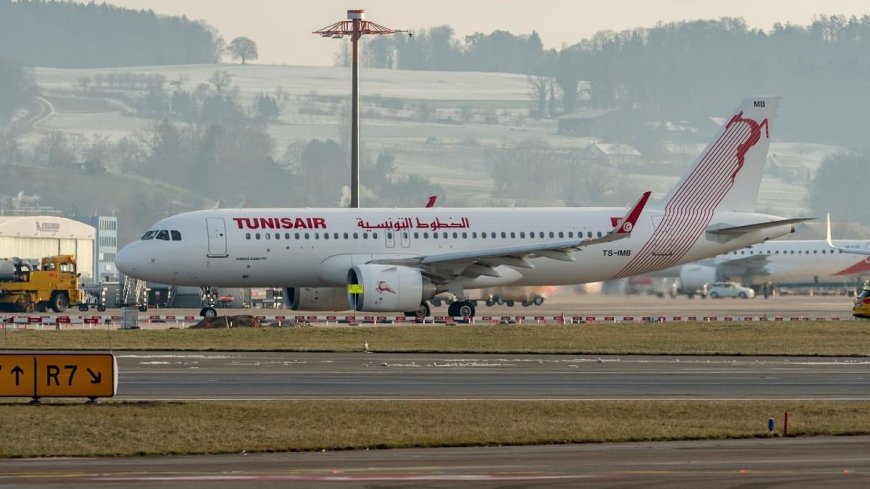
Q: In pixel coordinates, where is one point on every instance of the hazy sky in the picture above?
(282, 28)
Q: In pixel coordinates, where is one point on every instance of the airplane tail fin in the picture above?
(727, 174)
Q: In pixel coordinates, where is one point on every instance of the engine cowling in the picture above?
(384, 288)
(693, 277)
(316, 298)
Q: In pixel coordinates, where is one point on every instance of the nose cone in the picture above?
(125, 260)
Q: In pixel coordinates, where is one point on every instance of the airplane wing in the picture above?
(831, 244)
(444, 267)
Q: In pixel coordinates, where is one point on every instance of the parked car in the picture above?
(861, 309)
(729, 289)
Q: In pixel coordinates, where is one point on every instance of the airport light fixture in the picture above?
(355, 26)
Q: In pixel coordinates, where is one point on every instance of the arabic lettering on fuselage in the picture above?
(400, 223)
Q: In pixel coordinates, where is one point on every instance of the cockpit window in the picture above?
(163, 234)
(149, 235)
(176, 235)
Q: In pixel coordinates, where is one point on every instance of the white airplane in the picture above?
(382, 260)
(775, 261)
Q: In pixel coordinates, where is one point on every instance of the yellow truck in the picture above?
(52, 283)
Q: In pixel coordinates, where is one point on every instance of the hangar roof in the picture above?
(44, 227)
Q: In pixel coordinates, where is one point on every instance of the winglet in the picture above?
(854, 251)
(627, 223)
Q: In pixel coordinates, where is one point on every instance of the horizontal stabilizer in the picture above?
(738, 230)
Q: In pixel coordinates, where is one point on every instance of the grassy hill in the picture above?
(472, 114)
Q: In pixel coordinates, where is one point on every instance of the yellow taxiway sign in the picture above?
(58, 375)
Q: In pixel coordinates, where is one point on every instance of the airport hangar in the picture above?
(35, 237)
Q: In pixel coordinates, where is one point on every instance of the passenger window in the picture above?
(176, 235)
(474, 235)
(307, 236)
(163, 234)
(247, 235)
(257, 235)
(355, 235)
(561, 234)
(416, 235)
(286, 235)
(464, 235)
(503, 235)
(389, 235)
(455, 235)
(374, 235)
(296, 236)
(599, 234)
(268, 235)
(335, 236)
(522, 234)
(325, 235)
(345, 235)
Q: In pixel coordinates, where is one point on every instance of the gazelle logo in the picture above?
(47, 227)
(384, 287)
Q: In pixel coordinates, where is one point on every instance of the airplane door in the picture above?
(217, 237)
(390, 236)
(406, 238)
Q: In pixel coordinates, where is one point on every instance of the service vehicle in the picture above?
(861, 309)
(53, 283)
(729, 289)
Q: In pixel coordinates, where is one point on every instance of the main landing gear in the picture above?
(463, 309)
(420, 313)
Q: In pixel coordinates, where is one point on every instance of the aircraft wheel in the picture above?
(422, 312)
(465, 309)
(538, 301)
(451, 309)
(83, 307)
(509, 303)
(208, 312)
(101, 308)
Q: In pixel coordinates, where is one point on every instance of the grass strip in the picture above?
(211, 427)
(727, 338)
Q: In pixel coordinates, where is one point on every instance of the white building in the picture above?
(35, 237)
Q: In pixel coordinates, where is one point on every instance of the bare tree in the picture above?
(539, 87)
(243, 48)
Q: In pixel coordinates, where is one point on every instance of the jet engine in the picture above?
(316, 298)
(383, 288)
(693, 277)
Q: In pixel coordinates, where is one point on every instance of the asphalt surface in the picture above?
(761, 463)
(290, 375)
(798, 462)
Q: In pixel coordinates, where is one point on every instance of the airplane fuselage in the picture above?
(317, 247)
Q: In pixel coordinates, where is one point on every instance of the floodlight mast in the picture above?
(356, 26)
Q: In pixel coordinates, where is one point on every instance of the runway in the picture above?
(789, 462)
(290, 375)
